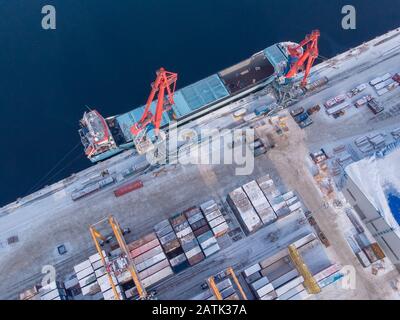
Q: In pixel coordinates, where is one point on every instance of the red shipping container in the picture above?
(128, 188)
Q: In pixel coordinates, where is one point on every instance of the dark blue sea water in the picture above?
(104, 54)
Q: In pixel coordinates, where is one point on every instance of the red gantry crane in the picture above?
(164, 84)
(304, 57)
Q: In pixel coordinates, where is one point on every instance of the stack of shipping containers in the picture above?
(201, 230)
(187, 239)
(259, 202)
(266, 284)
(171, 246)
(149, 259)
(244, 211)
(215, 218)
(53, 291)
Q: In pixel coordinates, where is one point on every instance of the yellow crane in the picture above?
(229, 272)
(124, 248)
(310, 283)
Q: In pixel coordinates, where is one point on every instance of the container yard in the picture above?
(203, 232)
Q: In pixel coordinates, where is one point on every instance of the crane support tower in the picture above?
(310, 283)
(117, 231)
(214, 288)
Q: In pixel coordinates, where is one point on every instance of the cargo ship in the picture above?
(103, 138)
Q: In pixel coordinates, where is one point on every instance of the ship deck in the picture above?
(247, 73)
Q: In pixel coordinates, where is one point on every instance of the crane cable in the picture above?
(47, 175)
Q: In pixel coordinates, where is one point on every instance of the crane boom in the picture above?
(164, 85)
(304, 58)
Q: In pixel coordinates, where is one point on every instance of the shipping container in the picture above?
(264, 290)
(96, 257)
(87, 280)
(253, 277)
(211, 250)
(83, 265)
(244, 211)
(91, 289)
(145, 248)
(85, 272)
(220, 230)
(227, 292)
(143, 240)
(198, 224)
(292, 292)
(285, 278)
(208, 243)
(209, 206)
(172, 245)
(269, 296)
(147, 255)
(153, 269)
(196, 259)
(161, 225)
(160, 275)
(289, 285)
(97, 265)
(213, 215)
(216, 221)
(187, 246)
(177, 219)
(150, 262)
(327, 272)
(193, 219)
(129, 187)
(178, 260)
(193, 252)
(259, 283)
(168, 238)
(184, 232)
(164, 231)
(202, 230)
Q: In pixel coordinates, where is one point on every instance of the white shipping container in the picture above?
(265, 290)
(83, 265)
(99, 272)
(50, 295)
(304, 240)
(251, 270)
(382, 91)
(291, 284)
(222, 228)
(97, 265)
(208, 243)
(157, 277)
(213, 214)
(193, 252)
(148, 263)
(87, 280)
(184, 232)
(292, 292)
(209, 206)
(96, 257)
(109, 294)
(85, 272)
(211, 250)
(295, 206)
(267, 215)
(90, 289)
(217, 221)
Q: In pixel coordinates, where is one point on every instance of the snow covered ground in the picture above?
(379, 178)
